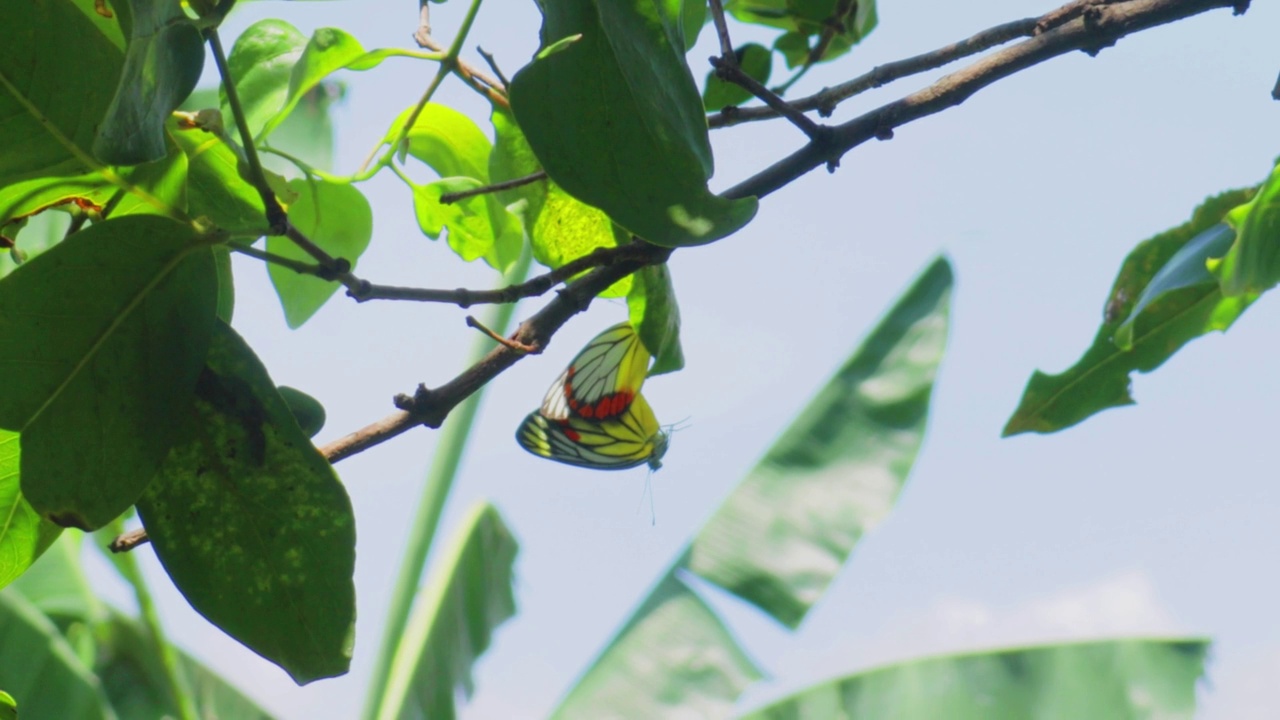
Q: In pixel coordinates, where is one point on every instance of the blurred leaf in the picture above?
(837, 25)
(101, 343)
(755, 60)
(261, 62)
(335, 217)
(305, 409)
(785, 531)
(307, 132)
(134, 679)
(1100, 378)
(648, 165)
(161, 67)
(226, 283)
(468, 595)
(693, 15)
(56, 128)
(656, 316)
(674, 652)
(41, 671)
(1104, 679)
(246, 513)
(57, 585)
(8, 707)
(1253, 264)
(24, 535)
(328, 51)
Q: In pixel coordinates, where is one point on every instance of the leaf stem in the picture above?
(444, 469)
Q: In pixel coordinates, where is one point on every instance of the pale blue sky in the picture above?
(1153, 519)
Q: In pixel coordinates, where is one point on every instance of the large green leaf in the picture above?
(656, 316)
(24, 535)
(161, 67)
(133, 678)
(101, 342)
(674, 652)
(469, 594)
(1164, 323)
(784, 533)
(1106, 679)
(1253, 264)
(616, 120)
(251, 523)
(50, 110)
(260, 63)
(41, 671)
(335, 217)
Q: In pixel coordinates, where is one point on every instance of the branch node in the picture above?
(516, 345)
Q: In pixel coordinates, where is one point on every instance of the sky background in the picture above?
(1155, 519)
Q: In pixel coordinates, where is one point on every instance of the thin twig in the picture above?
(1111, 22)
(517, 346)
(493, 65)
(453, 197)
(732, 73)
(125, 542)
(464, 298)
(276, 218)
(722, 30)
(826, 100)
(298, 266)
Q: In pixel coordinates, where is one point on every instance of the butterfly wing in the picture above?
(602, 380)
(633, 438)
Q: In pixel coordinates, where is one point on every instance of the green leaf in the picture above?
(477, 227)
(156, 188)
(755, 60)
(57, 128)
(1105, 679)
(161, 67)
(446, 140)
(647, 163)
(133, 678)
(251, 523)
(261, 62)
(305, 409)
(226, 283)
(1253, 264)
(842, 23)
(1186, 269)
(101, 342)
(8, 707)
(674, 652)
(216, 184)
(335, 217)
(24, 535)
(29, 197)
(693, 15)
(307, 132)
(1100, 378)
(780, 538)
(468, 595)
(656, 316)
(41, 671)
(328, 51)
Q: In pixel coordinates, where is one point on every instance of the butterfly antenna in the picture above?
(648, 490)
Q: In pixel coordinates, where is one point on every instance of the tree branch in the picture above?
(1099, 26)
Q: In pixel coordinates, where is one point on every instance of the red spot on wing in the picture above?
(570, 433)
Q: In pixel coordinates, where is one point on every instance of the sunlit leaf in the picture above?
(1253, 264)
(335, 217)
(251, 523)
(101, 342)
(261, 62)
(24, 535)
(780, 538)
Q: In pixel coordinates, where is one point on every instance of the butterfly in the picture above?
(602, 380)
(630, 439)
